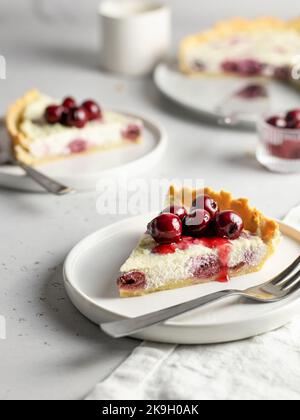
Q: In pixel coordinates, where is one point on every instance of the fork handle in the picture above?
(118, 329)
(44, 181)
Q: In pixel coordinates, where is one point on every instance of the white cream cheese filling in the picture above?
(160, 269)
(276, 48)
(54, 140)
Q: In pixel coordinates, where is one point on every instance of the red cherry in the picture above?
(243, 67)
(132, 280)
(250, 67)
(78, 146)
(93, 110)
(229, 225)
(132, 132)
(277, 121)
(166, 228)
(53, 114)
(207, 203)
(69, 102)
(77, 117)
(197, 223)
(179, 211)
(64, 119)
(293, 115)
(293, 124)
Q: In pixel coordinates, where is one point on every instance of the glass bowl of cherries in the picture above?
(279, 141)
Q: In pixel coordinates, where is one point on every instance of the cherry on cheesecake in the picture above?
(132, 280)
(197, 223)
(179, 211)
(229, 225)
(93, 110)
(53, 114)
(69, 102)
(132, 132)
(166, 228)
(64, 119)
(77, 117)
(207, 203)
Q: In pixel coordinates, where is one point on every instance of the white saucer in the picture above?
(91, 270)
(204, 94)
(84, 172)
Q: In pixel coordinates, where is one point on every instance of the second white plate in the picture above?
(204, 94)
(83, 173)
(92, 267)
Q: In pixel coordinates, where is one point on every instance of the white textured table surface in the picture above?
(51, 351)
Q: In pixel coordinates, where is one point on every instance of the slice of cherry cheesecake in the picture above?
(265, 47)
(44, 129)
(200, 237)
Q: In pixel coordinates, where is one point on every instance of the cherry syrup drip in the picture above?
(221, 244)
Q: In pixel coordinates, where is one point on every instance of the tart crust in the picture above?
(254, 221)
(13, 119)
(224, 29)
(20, 141)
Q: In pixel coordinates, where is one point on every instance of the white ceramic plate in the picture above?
(91, 270)
(84, 172)
(204, 94)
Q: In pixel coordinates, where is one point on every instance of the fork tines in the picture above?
(285, 281)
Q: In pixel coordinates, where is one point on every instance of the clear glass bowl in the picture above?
(278, 148)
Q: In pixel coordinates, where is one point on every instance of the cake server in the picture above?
(251, 101)
(280, 287)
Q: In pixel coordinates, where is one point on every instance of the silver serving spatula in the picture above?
(251, 101)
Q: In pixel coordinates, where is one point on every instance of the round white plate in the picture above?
(204, 94)
(91, 270)
(83, 172)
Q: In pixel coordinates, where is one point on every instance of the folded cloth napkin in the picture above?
(263, 367)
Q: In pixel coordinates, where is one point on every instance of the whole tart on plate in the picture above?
(202, 236)
(264, 47)
(44, 129)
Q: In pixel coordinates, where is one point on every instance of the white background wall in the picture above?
(195, 10)
(193, 14)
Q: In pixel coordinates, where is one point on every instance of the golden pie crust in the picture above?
(20, 142)
(226, 28)
(254, 221)
(13, 120)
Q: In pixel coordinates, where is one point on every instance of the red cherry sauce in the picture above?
(222, 245)
(165, 249)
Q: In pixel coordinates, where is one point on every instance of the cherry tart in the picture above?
(44, 129)
(263, 47)
(201, 237)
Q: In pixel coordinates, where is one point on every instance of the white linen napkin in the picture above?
(263, 367)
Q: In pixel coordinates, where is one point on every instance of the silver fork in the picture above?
(274, 290)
